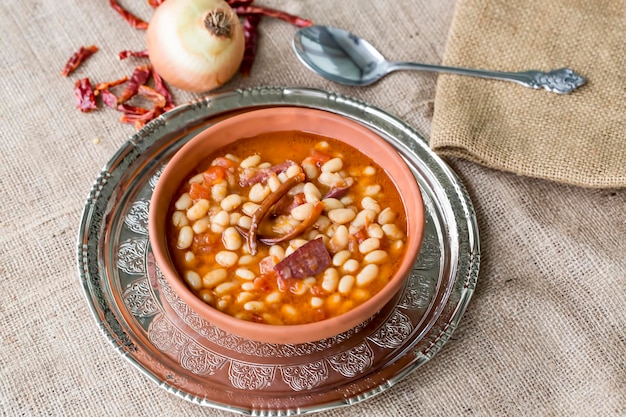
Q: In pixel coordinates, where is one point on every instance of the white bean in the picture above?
(392, 231)
(225, 287)
(372, 190)
(258, 192)
(201, 225)
(330, 280)
(302, 212)
(246, 260)
(346, 200)
(198, 178)
(231, 202)
(245, 222)
(219, 190)
(231, 239)
(378, 256)
(311, 193)
(273, 182)
(369, 245)
(350, 266)
(364, 217)
(316, 302)
(179, 219)
(214, 277)
(245, 273)
(226, 258)
(249, 208)
(332, 165)
(189, 257)
(183, 202)
(340, 239)
(293, 170)
(244, 296)
(322, 223)
(289, 310)
(248, 286)
(369, 171)
(386, 216)
(277, 252)
(374, 230)
(222, 218)
(310, 170)
(341, 215)
(341, 257)
(345, 284)
(369, 203)
(198, 210)
(193, 279)
(233, 218)
(367, 275)
(322, 145)
(251, 161)
(329, 178)
(185, 237)
(331, 204)
(273, 297)
(232, 157)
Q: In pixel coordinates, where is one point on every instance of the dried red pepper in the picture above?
(137, 54)
(161, 88)
(279, 14)
(134, 21)
(108, 98)
(239, 3)
(152, 95)
(132, 110)
(251, 35)
(106, 85)
(85, 98)
(155, 3)
(140, 120)
(139, 77)
(78, 58)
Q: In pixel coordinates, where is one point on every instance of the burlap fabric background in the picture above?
(577, 139)
(544, 334)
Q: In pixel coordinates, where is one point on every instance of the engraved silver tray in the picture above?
(156, 331)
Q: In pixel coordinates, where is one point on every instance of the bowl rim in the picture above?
(299, 333)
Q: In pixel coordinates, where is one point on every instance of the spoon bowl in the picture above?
(343, 57)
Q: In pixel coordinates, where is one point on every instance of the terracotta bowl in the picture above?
(257, 122)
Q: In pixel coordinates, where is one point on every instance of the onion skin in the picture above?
(188, 55)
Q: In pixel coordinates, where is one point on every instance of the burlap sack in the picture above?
(578, 138)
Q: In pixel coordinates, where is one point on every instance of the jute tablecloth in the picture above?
(577, 139)
(544, 333)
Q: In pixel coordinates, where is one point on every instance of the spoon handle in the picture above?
(561, 81)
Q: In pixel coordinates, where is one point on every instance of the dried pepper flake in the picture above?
(105, 86)
(279, 14)
(161, 88)
(108, 98)
(78, 58)
(139, 77)
(150, 94)
(85, 98)
(132, 110)
(155, 3)
(137, 54)
(140, 120)
(134, 21)
(239, 3)
(251, 35)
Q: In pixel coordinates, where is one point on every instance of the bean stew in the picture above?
(287, 228)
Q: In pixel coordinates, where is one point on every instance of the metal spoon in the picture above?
(343, 57)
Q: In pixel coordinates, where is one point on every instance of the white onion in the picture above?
(195, 45)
